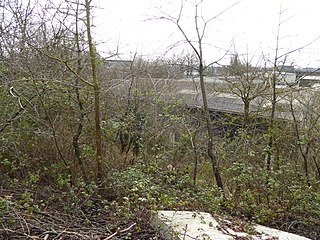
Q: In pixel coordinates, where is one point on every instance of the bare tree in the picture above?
(77, 134)
(277, 65)
(304, 108)
(77, 71)
(20, 28)
(198, 49)
(246, 82)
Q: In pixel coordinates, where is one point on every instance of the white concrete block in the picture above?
(281, 235)
(187, 225)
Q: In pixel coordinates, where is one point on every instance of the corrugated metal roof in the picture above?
(225, 104)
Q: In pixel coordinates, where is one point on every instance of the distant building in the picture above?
(282, 78)
(308, 81)
(308, 71)
(288, 78)
(288, 69)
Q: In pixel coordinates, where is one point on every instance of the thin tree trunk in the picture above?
(96, 88)
(304, 153)
(76, 136)
(306, 165)
(212, 156)
(196, 161)
(317, 165)
(246, 112)
(271, 129)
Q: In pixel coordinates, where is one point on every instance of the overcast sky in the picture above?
(250, 26)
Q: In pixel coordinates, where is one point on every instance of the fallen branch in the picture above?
(65, 232)
(7, 230)
(120, 231)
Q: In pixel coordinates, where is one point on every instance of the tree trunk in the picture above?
(96, 88)
(246, 111)
(212, 156)
(77, 134)
(271, 129)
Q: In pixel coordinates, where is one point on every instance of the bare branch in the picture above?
(120, 231)
(299, 48)
(63, 62)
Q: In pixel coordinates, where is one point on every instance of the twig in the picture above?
(72, 233)
(16, 96)
(19, 233)
(120, 231)
(14, 117)
(62, 62)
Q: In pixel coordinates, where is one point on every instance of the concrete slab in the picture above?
(188, 225)
(281, 235)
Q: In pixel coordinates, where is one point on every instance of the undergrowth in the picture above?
(129, 195)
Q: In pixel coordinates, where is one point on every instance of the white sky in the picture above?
(249, 26)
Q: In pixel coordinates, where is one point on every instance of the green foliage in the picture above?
(27, 202)
(64, 180)
(150, 186)
(135, 187)
(271, 197)
(4, 206)
(142, 185)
